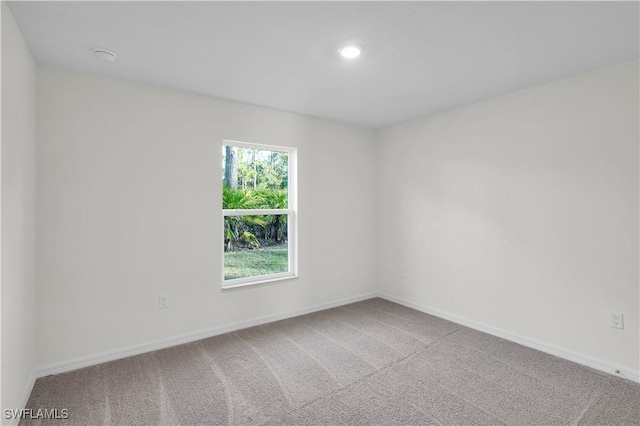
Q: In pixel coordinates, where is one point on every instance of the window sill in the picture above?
(266, 279)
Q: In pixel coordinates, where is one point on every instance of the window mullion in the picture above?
(255, 212)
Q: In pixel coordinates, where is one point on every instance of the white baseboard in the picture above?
(87, 361)
(24, 398)
(595, 363)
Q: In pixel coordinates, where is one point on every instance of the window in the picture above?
(259, 213)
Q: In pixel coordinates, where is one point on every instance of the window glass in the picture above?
(258, 214)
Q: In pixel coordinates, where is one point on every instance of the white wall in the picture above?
(521, 212)
(18, 213)
(129, 208)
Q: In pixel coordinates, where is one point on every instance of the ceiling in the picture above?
(419, 58)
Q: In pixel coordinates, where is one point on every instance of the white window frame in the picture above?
(291, 212)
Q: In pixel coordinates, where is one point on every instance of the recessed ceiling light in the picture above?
(105, 55)
(350, 52)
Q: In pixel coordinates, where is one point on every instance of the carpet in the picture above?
(372, 362)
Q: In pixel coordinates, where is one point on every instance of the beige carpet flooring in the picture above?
(372, 362)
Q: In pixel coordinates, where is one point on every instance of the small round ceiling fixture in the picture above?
(105, 55)
(350, 52)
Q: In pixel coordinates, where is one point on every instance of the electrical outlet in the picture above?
(163, 301)
(616, 320)
(403, 273)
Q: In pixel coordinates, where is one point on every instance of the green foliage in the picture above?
(253, 231)
(276, 224)
(261, 169)
(262, 182)
(236, 232)
(271, 199)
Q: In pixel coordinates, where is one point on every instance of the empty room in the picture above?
(320, 213)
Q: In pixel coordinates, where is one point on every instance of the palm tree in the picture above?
(236, 227)
(274, 199)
